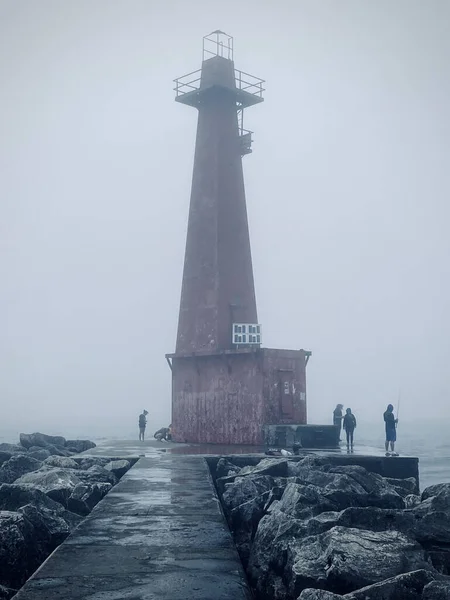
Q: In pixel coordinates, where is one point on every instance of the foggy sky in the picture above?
(347, 191)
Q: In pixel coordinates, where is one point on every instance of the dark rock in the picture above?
(244, 489)
(57, 450)
(62, 462)
(276, 467)
(225, 468)
(78, 446)
(411, 501)
(440, 557)
(50, 528)
(91, 461)
(27, 440)
(403, 487)
(16, 466)
(343, 560)
(19, 554)
(58, 484)
(434, 490)
(313, 594)
(86, 495)
(96, 474)
(15, 496)
(4, 456)
(432, 518)
(11, 448)
(6, 593)
(408, 586)
(244, 521)
(436, 590)
(40, 454)
(118, 467)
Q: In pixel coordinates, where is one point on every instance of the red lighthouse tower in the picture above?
(225, 387)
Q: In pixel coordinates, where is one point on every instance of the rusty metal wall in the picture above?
(228, 398)
(217, 399)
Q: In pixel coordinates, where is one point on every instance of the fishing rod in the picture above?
(398, 404)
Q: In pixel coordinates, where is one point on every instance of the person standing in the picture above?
(391, 429)
(349, 425)
(337, 419)
(142, 425)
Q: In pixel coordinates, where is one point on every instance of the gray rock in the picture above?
(27, 440)
(19, 553)
(225, 468)
(4, 456)
(343, 560)
(78, 446)
(244, 489)
(96, 474)
(86, 495)
(40, 454)
(15, 496)
(313, 594)
(16, 466)
(411, 501)
(58, 484)
(434, 490)
(408, 586)
(118, 467)
(91, 461)
(404, 487)
(61, 462)
(436, 590)
(11, 448)
(276, 467)
(432, 518)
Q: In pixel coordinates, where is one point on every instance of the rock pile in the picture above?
(309, 530)
(44, 495)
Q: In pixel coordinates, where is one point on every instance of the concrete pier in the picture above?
(161, 533)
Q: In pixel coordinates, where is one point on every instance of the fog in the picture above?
(347, 189)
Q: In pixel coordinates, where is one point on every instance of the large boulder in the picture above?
(243, 489)
(225, 468)
(19, 553)
(39, 454)
(86, 495)
(343, 560)
(16, 466)
(434, 490)
(27, 440)
(408, 586)
(62, 462)
(91, 461)
(4, 456)
(78, 446)
(118, 467)
(436, 590)
(15, 496)
(58, 484)
(403, 487)
(11, 448)
(96, 474)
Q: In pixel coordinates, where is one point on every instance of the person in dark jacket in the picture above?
(337, 419)
(391, 429)
(349, 425)
(142, 425)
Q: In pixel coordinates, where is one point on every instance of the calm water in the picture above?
(429, 441)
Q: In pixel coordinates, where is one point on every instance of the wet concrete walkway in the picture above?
(159, 534)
